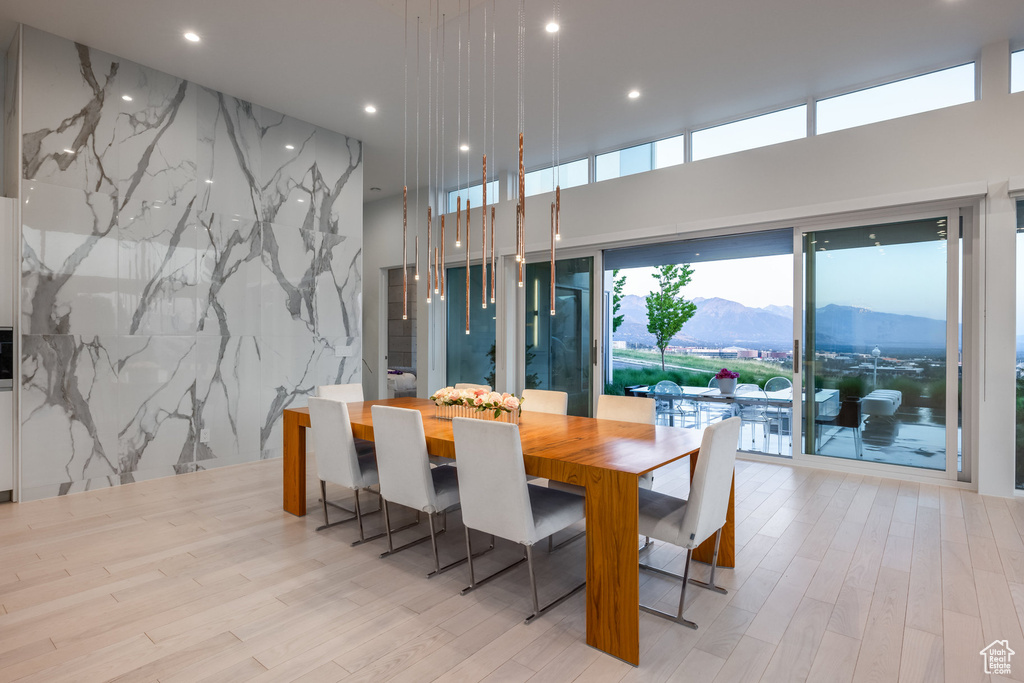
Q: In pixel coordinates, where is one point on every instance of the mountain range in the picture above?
(720, 322)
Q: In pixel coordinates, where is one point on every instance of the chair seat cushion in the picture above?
(553, 510)
(660, 516)
(446, 486)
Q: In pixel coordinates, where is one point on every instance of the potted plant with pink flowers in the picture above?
(727, 381)
(478, 403)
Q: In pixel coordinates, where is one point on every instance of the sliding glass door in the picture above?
(470, 347)
(558, 346)
(882, 337)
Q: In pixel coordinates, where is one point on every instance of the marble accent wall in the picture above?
(190, 262)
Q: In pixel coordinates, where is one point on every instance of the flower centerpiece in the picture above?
(478, 403)
(727, 381)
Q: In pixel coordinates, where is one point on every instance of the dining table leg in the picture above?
(613, 573)
(294, 464)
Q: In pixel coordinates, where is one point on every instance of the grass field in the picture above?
(688, 370)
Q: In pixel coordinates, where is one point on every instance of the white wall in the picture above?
(963, 151)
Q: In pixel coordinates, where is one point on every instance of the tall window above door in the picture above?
(471, 354)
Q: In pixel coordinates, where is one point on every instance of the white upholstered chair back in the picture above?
(540, 401)
(466, 385)
(626, 409)
(336, 457)
(402, 463)
(349, 393)
(492, 479)
(708, 502)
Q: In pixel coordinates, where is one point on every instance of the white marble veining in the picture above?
(338, 185)
(288, 281)
(229, 156)
(69, 113)
(228, 400)
(292, 367)
(157, 261)
(288, 170)
(184, 272)
(69, 395)
(156, 395)
(230, 266)
(156, 141)
(69, 260)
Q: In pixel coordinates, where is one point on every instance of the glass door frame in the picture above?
(954, 270)
(596, 314)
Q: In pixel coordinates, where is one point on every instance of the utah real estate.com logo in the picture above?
(997, 657)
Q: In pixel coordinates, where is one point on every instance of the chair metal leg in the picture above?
(678, 617)
(473, 583)
(537, 609)
(469, 556)
(391, 549)
(710, 585)
(323, 500)
(557, 546)
(438, 569)
(359, 515)
(387, 528)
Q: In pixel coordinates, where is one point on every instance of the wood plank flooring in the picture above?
(202, 577)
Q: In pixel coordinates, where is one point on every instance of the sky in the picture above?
(906, 279)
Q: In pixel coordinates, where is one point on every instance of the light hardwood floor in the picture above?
(202, 577)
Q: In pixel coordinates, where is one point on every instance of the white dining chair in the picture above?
(542, 401)
(670, 402)
(624, 409)
(406, 477)
(688, 523)
(349, 393)
(466, 385)
(338, 460)
(780, 414)
(752, 408)
(497, 500)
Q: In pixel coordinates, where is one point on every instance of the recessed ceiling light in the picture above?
(552, 27)
(289, 146)
(464, 147)
(301, 201)
(126, 98)
(68, 151)
(370, 109)
(209, 182)
(192, 36)
(633, 94)
(374, 189)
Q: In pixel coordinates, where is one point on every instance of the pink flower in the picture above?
(480, 392)
(494, 397)
(479, 400)
(510, 403)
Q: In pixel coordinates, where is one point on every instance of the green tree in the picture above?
(667, 310)
(618, 284)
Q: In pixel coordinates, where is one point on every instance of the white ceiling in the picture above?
(695, 62)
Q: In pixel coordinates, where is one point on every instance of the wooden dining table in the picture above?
(606, 457)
